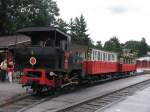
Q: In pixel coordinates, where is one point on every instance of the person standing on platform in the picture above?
(3, 67)
(10, 70)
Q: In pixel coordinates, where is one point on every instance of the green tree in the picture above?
(38, 12)
(62, 25)
(113, 45)
(78, 31)
(148, 48)
(143, 47)
(16, 14)
(140, 48)
(72, 31)
(6, 17)
(99, 45)
(132, 45)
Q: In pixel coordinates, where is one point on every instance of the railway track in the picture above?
(22, 103)
(28, 101)
(99, 103)
(91, 105)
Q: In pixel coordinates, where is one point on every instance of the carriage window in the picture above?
(63, 45)
(113, 58)
(93, 54)
(103, 56)
(98, 55)
(106, 57)
(121, 60)
(79, 54)
(127, 61)
(49, 42)
(57, 43)
(109, 57)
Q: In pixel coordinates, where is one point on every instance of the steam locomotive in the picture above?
(52, 61)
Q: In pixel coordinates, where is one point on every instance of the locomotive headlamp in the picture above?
(52, 74)
(32, 60)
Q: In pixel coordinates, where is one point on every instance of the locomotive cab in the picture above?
(48, 46)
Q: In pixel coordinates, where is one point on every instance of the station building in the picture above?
(13, 40)
(8, 42)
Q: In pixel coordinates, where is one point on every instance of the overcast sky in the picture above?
(126, 19)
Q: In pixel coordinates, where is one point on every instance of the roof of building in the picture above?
(7, 41)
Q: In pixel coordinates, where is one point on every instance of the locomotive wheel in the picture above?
(38, 90)
(73, 87)
(57, 90)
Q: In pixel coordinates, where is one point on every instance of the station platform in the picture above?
(9, 91)
(139, 102)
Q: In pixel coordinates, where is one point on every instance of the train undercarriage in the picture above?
(62, 81)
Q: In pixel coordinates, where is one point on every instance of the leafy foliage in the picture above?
(72, 28)
(140, 48)
(78, 31)
(113, 45)
(133, 45)
(143, 47)
(62, 25)
(16, 14)
(6, 16)
(99, 45)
